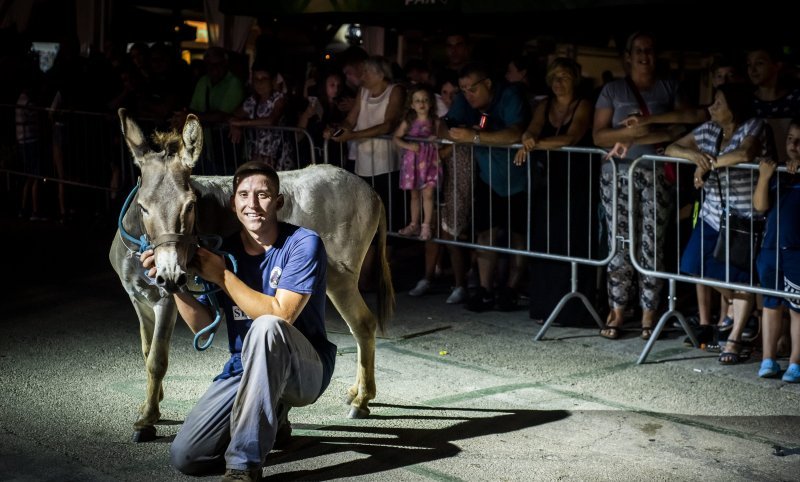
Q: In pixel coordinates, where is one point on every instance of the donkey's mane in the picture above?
(170, 142)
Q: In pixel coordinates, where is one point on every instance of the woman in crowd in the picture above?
(561, 188)
(731, 137)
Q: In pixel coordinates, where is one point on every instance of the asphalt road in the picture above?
(461, 396)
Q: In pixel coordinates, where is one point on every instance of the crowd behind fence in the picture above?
(562, 222)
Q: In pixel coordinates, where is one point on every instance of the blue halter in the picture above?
(212, 242)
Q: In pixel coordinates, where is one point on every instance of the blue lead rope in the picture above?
(143, 243)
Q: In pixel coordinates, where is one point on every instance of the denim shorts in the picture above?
(702, 263)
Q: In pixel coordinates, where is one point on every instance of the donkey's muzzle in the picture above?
(169, 285)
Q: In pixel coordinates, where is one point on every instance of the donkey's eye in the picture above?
(144, 211)
(189, 207)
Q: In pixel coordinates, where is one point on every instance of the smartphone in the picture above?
(337, 132)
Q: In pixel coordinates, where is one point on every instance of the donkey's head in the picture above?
(165, 200)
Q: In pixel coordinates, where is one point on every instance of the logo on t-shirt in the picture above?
(238, 314)
(274, 277)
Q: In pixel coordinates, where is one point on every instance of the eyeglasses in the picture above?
(474, 87)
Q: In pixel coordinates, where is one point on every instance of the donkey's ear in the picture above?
(192, 141)
(133, 137)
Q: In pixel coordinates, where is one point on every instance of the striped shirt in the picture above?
(737, 184)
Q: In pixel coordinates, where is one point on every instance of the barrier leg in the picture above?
(573, 294)
(663, 321)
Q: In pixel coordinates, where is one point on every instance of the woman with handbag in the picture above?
(731, 137)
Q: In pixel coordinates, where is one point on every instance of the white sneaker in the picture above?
(458, 295)
(422, 287)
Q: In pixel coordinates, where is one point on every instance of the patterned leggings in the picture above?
(653, 200)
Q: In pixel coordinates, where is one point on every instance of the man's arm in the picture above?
(285, 304)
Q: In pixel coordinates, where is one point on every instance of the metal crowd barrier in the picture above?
(221, 156)
(85, 150)
(66, 147)
(585, 159)
(673, 274)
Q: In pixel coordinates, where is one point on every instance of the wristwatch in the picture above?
(476, 139)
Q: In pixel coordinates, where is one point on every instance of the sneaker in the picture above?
(482, 300)
(792, 374)
(234, 475)
(422, 287)
(507, 299)
(769, 368)
(457, 296)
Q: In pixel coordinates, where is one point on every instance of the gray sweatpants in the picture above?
(238, 418)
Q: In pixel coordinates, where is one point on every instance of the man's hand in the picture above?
(148, 260)
(461, 134)
(209, 266)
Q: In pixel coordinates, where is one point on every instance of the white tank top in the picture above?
(374, 156)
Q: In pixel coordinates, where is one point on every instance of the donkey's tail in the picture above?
(386, 302)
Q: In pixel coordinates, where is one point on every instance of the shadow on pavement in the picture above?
(395, 447)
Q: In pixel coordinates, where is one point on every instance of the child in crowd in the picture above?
(421, 170)
(779, 259)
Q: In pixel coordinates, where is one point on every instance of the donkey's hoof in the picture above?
(358, 412)
(146, 434)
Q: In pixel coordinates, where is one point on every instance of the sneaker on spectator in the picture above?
(792, 374)
(457, 296)
(423, 286)
(482, 300)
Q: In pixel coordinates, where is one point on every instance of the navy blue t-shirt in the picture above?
(296, 262)
(507, 108)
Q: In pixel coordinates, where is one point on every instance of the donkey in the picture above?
(172, 208)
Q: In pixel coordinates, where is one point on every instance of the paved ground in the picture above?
(461, 396)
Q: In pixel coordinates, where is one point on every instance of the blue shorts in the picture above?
(702, 263)
(770, 276)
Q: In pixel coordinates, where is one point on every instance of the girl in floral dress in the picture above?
(421, 170)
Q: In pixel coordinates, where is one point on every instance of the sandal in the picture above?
(732, 357)
(726, 324)
(425, 232)
(411, 230)
(611, 332)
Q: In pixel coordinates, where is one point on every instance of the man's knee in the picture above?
(267, 324)
(181, 458)
(269, 328)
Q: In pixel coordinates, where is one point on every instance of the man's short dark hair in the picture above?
(255, 167)
(477, 68)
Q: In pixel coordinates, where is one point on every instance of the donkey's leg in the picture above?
(343, 292)
(156, 325)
